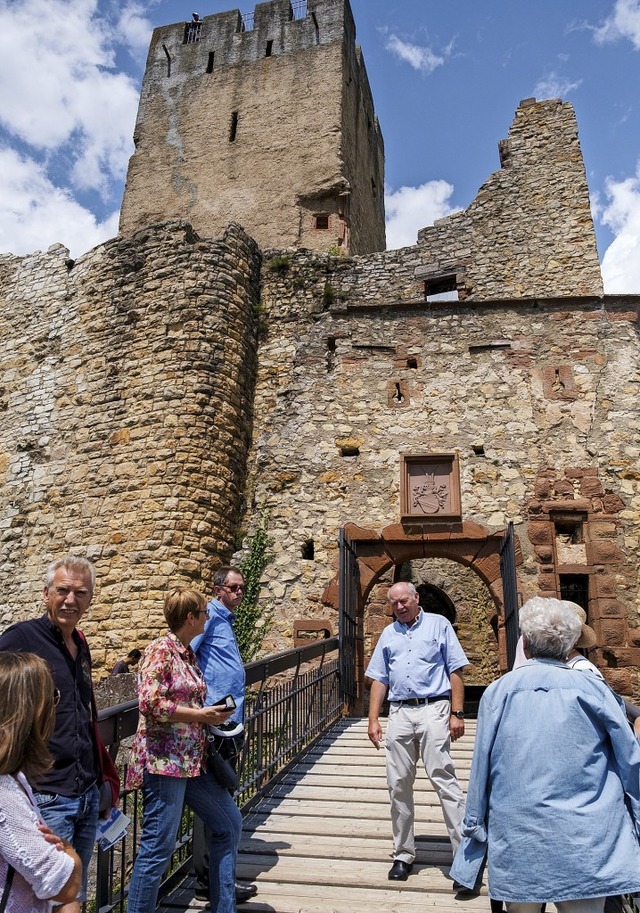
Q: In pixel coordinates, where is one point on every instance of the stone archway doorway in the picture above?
(375, 555)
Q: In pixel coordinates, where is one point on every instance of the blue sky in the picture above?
(447, 76)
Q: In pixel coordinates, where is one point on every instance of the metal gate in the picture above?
(510, 592)
(348, 589)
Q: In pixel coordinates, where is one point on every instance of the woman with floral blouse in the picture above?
(168, 760)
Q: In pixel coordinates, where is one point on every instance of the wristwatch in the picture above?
(458, 713)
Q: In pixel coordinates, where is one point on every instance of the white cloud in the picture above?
(135, 29)
(37, 214)
(554, 86)
(420, 58)
(621, 262)
(60, 90)
(624, 22)
(411, 208)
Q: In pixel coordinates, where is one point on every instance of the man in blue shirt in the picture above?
(219, 658)
(419, 661)
(217, 648)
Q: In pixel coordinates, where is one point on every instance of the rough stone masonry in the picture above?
(166, 389)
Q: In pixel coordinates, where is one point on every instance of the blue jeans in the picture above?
(163, 799)
(74, 819)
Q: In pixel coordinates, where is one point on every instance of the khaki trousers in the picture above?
(413, 733)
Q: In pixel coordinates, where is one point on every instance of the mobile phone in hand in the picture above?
(227, 701)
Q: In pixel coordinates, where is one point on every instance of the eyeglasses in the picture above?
(63, 592)
(200, 612)
(233, 587)
(56, 697)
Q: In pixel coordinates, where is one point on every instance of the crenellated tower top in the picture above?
(265, 118)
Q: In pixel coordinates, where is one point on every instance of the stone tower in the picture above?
(265, 119)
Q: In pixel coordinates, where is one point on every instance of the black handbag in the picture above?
(7, 888)
(220, 767)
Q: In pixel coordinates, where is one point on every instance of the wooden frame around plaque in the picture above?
(430, 487)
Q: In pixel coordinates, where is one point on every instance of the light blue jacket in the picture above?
(554, 792)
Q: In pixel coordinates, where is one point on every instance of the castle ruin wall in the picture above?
(539, 399)
(126, 393)
(529, 231)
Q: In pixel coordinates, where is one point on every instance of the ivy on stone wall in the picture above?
(254, 617)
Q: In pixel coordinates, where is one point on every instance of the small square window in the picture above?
(321, 222)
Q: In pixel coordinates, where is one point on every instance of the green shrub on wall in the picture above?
(253, 618)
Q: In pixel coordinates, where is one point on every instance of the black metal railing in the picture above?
(509, 592)
(292, 698)
(298, 9)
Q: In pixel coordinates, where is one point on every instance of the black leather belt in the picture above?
(421, 701)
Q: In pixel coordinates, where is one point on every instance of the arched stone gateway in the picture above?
(375, 554)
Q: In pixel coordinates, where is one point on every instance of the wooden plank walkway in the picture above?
(320, 840)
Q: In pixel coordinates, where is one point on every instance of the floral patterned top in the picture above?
(169, 676)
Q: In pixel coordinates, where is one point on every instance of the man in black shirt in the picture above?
(67, 795)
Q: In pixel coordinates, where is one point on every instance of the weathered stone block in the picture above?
(591, 487)
(544, 554)
(604, 552)
(612, 632)
(540, 533)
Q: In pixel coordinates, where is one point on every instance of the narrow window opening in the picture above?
(373, 187)
(558, 384)
(233, 128)
(478, 449)
(349, 451)
(168, 55)
(398, 396)
(331, 353)
(412, 362)
(269, 49)
(316, 27)
(210, 62)
(308, 550)
(321, 222)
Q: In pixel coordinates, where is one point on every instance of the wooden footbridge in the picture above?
(319, 839)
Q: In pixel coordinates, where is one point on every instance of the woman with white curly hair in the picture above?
(554, 792)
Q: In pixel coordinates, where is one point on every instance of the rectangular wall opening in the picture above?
(441, 288)
(575, 588)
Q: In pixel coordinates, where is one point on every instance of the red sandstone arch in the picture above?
(467, 543)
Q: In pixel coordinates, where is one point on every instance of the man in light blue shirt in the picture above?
(216, 648)
(419, 660)
(219, 658)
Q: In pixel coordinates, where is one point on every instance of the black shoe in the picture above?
(202, 893)
(245, 892)
(463, 890)
(400, 870)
